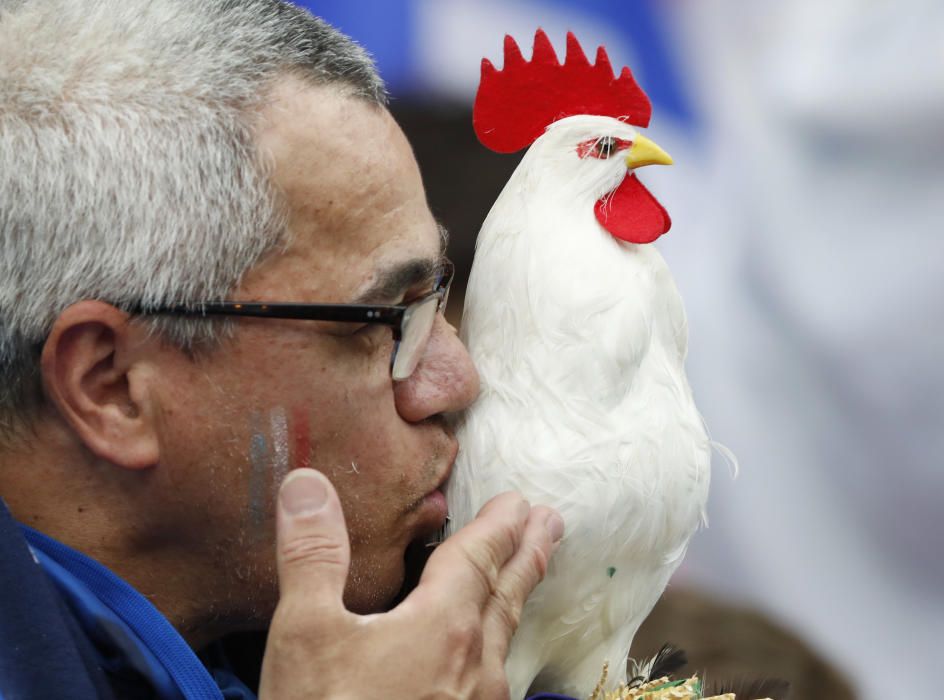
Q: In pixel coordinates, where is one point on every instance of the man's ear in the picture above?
(95, 375)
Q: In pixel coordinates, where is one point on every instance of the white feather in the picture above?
(580, 341)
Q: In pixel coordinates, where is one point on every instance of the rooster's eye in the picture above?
(602, 148)
(606, 147)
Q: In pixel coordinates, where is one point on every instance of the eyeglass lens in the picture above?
(417, 326)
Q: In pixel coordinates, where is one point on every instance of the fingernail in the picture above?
(555, 527)
(303, 492)
(524, 508)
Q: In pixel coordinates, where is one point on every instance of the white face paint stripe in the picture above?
(280, 448)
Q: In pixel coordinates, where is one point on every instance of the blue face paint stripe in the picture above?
(259, 471)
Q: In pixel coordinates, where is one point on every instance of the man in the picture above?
(162, 161)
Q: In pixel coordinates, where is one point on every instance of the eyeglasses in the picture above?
(411, 323)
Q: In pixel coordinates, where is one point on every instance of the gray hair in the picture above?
(128, 169)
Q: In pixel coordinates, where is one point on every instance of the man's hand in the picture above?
(447, 639)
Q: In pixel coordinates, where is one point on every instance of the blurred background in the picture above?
(808, 241)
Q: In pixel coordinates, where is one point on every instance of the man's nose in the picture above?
(445, 380)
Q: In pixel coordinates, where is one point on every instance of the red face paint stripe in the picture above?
(301, 436)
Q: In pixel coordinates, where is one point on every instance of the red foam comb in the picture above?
(514, 105)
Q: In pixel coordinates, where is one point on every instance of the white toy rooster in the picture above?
(579, 334)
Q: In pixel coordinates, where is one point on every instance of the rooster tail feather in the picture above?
(667, 662)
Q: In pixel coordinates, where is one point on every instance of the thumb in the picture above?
(313, 550)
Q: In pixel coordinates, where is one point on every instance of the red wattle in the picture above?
(632, 214)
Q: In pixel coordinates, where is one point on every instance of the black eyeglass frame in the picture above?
(397, 316)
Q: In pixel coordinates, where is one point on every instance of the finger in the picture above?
(313, 550)
(518, 578)
(466, 566)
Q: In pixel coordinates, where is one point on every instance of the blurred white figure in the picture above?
(811, 266)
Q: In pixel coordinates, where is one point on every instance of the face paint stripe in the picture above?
(280, 456)
(259, 466)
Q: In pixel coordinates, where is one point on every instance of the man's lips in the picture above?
(435, 496)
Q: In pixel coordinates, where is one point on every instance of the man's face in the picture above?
(285, 394)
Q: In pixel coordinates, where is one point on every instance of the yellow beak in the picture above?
(646, 152)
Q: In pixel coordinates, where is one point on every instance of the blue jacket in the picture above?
(70, 628)
(43, 651)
